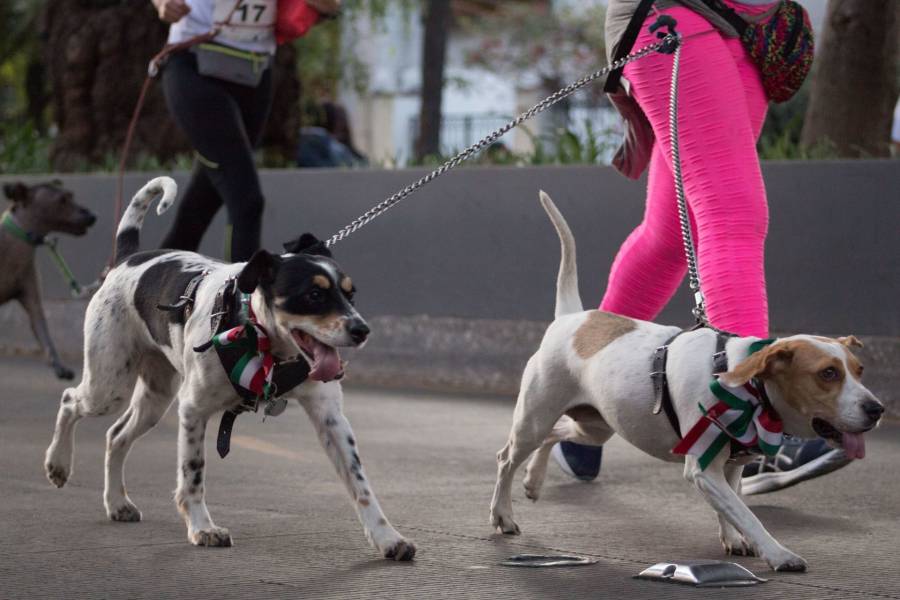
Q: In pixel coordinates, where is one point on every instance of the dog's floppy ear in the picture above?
(760, 364)
(308, 244)
(260, 269)
(16, 192)
(851, 341)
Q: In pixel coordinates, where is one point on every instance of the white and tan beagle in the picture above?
(590, 378)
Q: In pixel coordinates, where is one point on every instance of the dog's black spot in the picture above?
(198, 478)
(191, 428)
(127, 243)
(128, 364)
(161, 283)
(330, 422)
(359, 477)
(191, 441)
(192, 490)
(367, 493)
(356, 459)
(196, 464)
(141, 257)
(350, 440)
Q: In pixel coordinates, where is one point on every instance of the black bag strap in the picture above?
(627, 43)
(729, 14)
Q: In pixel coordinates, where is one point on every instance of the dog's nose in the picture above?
(358, 331)
(90, 218)
(873, 409)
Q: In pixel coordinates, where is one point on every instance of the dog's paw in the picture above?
(738, 548)
(734, 543)
(56, 474)
(505, 525)
(401, 551)
(787, 561)
(63, 372)
(532, 485)
(125, 513)
(212, 537)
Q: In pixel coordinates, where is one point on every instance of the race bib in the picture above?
(246, 20)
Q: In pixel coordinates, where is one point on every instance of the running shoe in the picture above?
(577, 460)
(797, 460)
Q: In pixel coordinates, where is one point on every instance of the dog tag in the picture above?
(701, 573)
(275, 407)
(553, 560)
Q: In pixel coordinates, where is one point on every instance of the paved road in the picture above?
(432, 463)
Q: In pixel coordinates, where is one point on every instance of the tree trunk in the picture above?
(855, 84)
(96, 53)
(437, 30)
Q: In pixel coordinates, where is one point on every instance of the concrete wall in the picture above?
(475, 243)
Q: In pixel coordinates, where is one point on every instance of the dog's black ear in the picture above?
(308, 244)
(16, 192)
(260, 270)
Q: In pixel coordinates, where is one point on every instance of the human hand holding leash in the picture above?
(171, 11)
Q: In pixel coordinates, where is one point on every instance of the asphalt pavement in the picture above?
(431, 461)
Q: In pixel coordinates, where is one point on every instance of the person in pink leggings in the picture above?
(721, 109)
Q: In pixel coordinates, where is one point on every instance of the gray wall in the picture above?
(476, 244)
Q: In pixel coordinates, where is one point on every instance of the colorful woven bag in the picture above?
(782, 46)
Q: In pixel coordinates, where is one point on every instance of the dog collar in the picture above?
(10, 224)
(742, 416)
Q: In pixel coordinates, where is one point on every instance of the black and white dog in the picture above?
(135, 351)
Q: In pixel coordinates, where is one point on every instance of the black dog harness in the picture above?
(226, 314)
(660, 380)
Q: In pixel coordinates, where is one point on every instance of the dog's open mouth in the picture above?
(324, 361)
(854, 444)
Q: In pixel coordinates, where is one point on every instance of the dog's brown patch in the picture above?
(322, 281)
(795, 367)
(363, 502)
(347, 284)
(598, 331)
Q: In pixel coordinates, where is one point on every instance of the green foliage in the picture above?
(23, 149)
(780, 138)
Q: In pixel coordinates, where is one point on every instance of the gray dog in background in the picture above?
(35, 211)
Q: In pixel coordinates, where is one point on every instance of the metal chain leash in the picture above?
(687, 236)
(538, 108)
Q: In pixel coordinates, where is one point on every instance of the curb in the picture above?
(477, 356)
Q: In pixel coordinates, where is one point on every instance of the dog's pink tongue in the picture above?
(326, 363)
(854, 445)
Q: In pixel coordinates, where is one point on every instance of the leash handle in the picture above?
(475, 148)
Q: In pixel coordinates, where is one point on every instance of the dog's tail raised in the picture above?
(568, 300)
(128, 235)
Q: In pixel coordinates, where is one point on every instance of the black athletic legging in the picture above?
(223, 122)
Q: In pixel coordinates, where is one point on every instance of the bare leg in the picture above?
(532, 423)
(732, 540)
(152, 396)
(31, 302)
(190, 496)
(322, 403)
(591, 433)
(720, 495)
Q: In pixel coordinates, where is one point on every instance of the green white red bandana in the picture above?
(739, 416)
(253, 371)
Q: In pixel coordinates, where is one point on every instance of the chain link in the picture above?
(538, 108)
(687, 235)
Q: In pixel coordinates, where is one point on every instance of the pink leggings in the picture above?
(722, 107)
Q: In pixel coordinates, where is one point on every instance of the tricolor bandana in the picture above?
(740, 416)
(254, 369)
